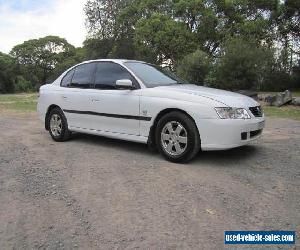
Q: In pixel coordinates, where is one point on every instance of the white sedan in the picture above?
(140, 102)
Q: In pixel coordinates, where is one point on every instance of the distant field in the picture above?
(27, 103)
(294, 93)
(18, 102)
(290, 112)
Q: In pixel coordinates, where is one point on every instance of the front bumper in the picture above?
(220, 134)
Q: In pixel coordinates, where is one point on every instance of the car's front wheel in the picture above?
(58, 126)
(177, 137)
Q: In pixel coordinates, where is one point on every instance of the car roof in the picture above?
(118, 61)
(112, 60)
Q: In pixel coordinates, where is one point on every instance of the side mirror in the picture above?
(124, 84)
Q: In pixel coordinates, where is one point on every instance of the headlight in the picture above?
(232, 113)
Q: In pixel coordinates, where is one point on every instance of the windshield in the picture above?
(153, 76)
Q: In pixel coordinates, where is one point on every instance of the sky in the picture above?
(21, 20)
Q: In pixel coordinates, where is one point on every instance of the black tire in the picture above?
(65, 134)
(193, 138)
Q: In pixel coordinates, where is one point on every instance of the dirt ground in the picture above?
(97, 193)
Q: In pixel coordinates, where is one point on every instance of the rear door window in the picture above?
(84, 76)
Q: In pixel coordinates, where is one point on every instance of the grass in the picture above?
(19, 102)
(290, 112)
(294, 93)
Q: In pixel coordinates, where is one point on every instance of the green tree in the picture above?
(169, 32)
(243, 65)
(7, 68)
(168, 39)
(37, 58)
(290, 17)
(195, 67)
(65, 63)
(296, 77)
(23, 85)
(101, 17)
(97, 48)
(288, 34)
(108, 35)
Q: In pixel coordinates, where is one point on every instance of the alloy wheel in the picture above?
(174, 138)
(56, 125)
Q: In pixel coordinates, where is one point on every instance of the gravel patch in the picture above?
(98, 193)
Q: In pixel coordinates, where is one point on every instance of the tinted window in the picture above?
(83, 76)
(67, 78)
(108, 73)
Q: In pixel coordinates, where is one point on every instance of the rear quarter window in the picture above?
(66, 81)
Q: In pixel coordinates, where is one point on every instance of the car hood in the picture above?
(226, 98)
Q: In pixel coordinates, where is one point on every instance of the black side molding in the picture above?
(130, 117)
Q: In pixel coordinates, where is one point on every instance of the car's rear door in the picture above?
(115, 110)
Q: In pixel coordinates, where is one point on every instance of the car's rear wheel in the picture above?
(177, 137)
(58, 126)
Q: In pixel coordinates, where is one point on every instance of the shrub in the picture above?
(243, 65)
(194, 67)
(22, 85)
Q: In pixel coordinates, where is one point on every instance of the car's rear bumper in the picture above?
(41, 111)
(220, 134)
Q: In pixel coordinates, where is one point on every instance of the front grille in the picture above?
(256, 111)
(255, 133)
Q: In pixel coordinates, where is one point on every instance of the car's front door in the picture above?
(77, 87)
(115, 110)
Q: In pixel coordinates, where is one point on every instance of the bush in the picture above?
(7, 66)
(22, 85)
(243, 65)
(296, 77)
(277, 81)
(195, 67)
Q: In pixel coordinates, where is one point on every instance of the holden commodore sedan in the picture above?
(140, 102)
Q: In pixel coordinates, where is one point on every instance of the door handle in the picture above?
(95, 100)
(64, 97)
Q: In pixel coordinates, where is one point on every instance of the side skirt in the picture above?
(114, 135)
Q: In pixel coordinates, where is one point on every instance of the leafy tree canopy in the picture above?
(168, 39)
(195, 67)
(7, 65)
(232, 44)
(42, 55)
(243, 65)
